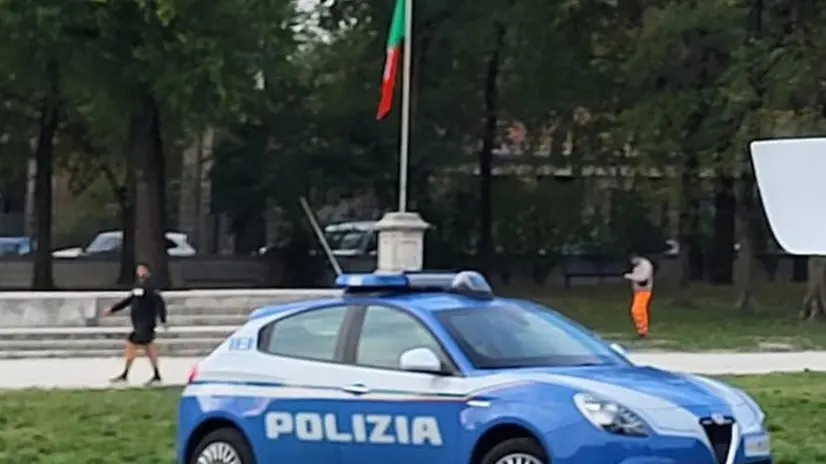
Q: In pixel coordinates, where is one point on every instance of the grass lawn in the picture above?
(794, 405)
(88, 427)
(710, 322)
(138, 426)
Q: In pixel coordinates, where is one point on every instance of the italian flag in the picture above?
(391, 63)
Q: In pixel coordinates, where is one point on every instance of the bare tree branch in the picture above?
(78, 131)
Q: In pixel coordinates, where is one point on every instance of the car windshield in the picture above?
(346, 240)
(516, 335)
(104, 242)
(333, 238)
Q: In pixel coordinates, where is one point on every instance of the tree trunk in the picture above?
(150, 206)
(189, 195)
(722, 256)
(744, 187)
(126, 200)
(485, 248)
(159, 178)
(687, 227)
(43, 278)
(691, 257)
(813, 301)
(744, 225)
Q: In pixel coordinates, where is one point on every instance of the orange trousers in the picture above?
(639, 311)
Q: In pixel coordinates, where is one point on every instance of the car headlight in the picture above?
(610, 416)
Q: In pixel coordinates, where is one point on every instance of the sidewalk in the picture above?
(735, 363)
(95, 372)
(86, 372)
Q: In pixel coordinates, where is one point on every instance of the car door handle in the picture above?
(356, 389)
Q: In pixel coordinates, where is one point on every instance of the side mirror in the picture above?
(619, 349)
(422, 360)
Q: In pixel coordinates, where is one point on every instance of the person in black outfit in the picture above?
(147, 307)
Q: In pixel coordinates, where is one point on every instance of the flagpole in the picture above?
(406, 77)
(401, 233)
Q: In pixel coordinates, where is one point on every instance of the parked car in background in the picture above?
(346, 239)
(354, 238)
(177, 244)
(16, 246)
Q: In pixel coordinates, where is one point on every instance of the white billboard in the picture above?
(791, 178)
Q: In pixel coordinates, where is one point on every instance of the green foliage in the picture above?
(711, 58)
(595, 86)
(201, 59)
(673, 92)
(30, 36)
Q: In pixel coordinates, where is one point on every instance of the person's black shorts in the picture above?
(141, 337)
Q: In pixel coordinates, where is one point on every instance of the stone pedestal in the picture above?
(401, 242)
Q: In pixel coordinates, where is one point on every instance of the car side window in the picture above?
(387, 333)
(309, 335)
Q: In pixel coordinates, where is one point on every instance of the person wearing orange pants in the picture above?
(642, 286)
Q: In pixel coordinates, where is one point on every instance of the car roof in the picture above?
(425, 302)
(434, 302)
(271, 310)
(361, 226)
(14, 239)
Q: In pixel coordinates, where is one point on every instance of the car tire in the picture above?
(527, 449)
(222, 446)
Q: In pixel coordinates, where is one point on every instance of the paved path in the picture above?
(95, 372)
(735, 363)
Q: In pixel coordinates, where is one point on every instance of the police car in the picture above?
(422, 368)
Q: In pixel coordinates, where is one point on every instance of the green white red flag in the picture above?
(391, 63)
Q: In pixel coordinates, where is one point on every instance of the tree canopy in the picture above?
(520, 110)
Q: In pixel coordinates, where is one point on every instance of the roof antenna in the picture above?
(320, 236)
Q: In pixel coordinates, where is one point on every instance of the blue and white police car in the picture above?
(425, 368)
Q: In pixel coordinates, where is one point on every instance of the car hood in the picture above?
(670, 403)
(638, 387)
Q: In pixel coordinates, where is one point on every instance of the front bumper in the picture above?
(604, 448)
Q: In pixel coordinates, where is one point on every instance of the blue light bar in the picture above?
(431, 279)
(469, 283)
(367, 281)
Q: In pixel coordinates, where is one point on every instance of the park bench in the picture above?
(602, 270)
(229, 273)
